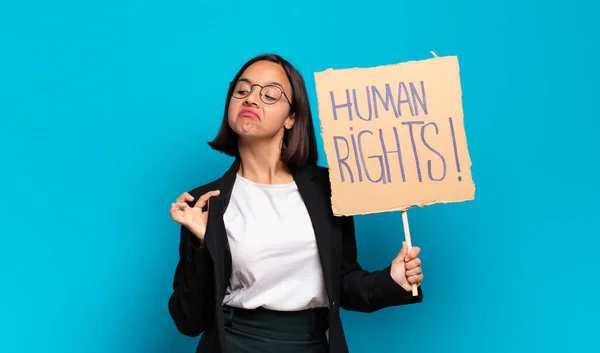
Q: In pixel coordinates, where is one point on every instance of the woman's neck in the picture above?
(261, 163)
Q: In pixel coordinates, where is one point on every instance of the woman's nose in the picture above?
(254, 96)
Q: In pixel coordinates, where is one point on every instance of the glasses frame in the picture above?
(283, 94)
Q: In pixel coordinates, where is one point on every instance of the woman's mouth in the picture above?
(249, 114)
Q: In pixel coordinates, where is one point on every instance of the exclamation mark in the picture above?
(455, 149)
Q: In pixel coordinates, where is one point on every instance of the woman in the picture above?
(264, 265)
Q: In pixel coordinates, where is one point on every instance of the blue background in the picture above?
(106, 107)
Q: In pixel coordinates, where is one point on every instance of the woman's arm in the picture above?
(192, 302)
(366, 291)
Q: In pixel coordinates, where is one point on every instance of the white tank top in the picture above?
(275, 260)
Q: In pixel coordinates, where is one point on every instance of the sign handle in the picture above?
(415, 291)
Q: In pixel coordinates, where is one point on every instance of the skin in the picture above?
(260, 139)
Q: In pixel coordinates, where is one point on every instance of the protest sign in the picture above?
(394, 136)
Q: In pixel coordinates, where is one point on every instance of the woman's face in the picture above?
(252, 117)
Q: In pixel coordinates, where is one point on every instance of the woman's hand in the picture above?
(192, 217)
(406, 268)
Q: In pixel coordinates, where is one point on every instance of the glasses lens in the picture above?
(242, 89)
(271, 94)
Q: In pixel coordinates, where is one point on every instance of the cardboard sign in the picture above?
(394, 136)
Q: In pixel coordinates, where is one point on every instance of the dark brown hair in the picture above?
(299, 143)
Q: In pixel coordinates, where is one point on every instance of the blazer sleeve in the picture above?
(191, 305)
(366, 291)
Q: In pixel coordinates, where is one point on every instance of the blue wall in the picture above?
(106, 107)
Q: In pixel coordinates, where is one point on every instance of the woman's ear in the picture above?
(289, 122)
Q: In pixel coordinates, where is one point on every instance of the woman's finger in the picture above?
(186, 196)
(173, 212)
(413, 264)
(415, 279)
(204, 198)
(414, 272)
(413, 253)
(181, 205)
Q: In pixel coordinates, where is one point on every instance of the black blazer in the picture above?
(202, 273)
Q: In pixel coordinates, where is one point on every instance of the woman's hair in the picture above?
(299, 143)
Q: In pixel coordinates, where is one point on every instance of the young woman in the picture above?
(264, 264)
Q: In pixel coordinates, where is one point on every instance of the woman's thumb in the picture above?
(403, 252)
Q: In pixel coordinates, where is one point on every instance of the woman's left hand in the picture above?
(406, 267)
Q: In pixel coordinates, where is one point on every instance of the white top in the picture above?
(275, 261)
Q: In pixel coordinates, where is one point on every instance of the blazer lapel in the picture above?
(216, 238)
(225, 184)
(316, 205)
(216, 235)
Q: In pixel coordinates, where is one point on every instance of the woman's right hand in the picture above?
(192, 217)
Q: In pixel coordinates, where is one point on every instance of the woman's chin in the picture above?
(247, 127)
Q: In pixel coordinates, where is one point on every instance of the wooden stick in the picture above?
(415, 291)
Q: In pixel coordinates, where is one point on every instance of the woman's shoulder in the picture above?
(319, 174)
(314, 170)
(323, 174)
(228, 174)
(318, 170)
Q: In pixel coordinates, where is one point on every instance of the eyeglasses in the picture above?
(269, 94)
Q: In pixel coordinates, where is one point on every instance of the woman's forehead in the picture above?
(265, 72)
